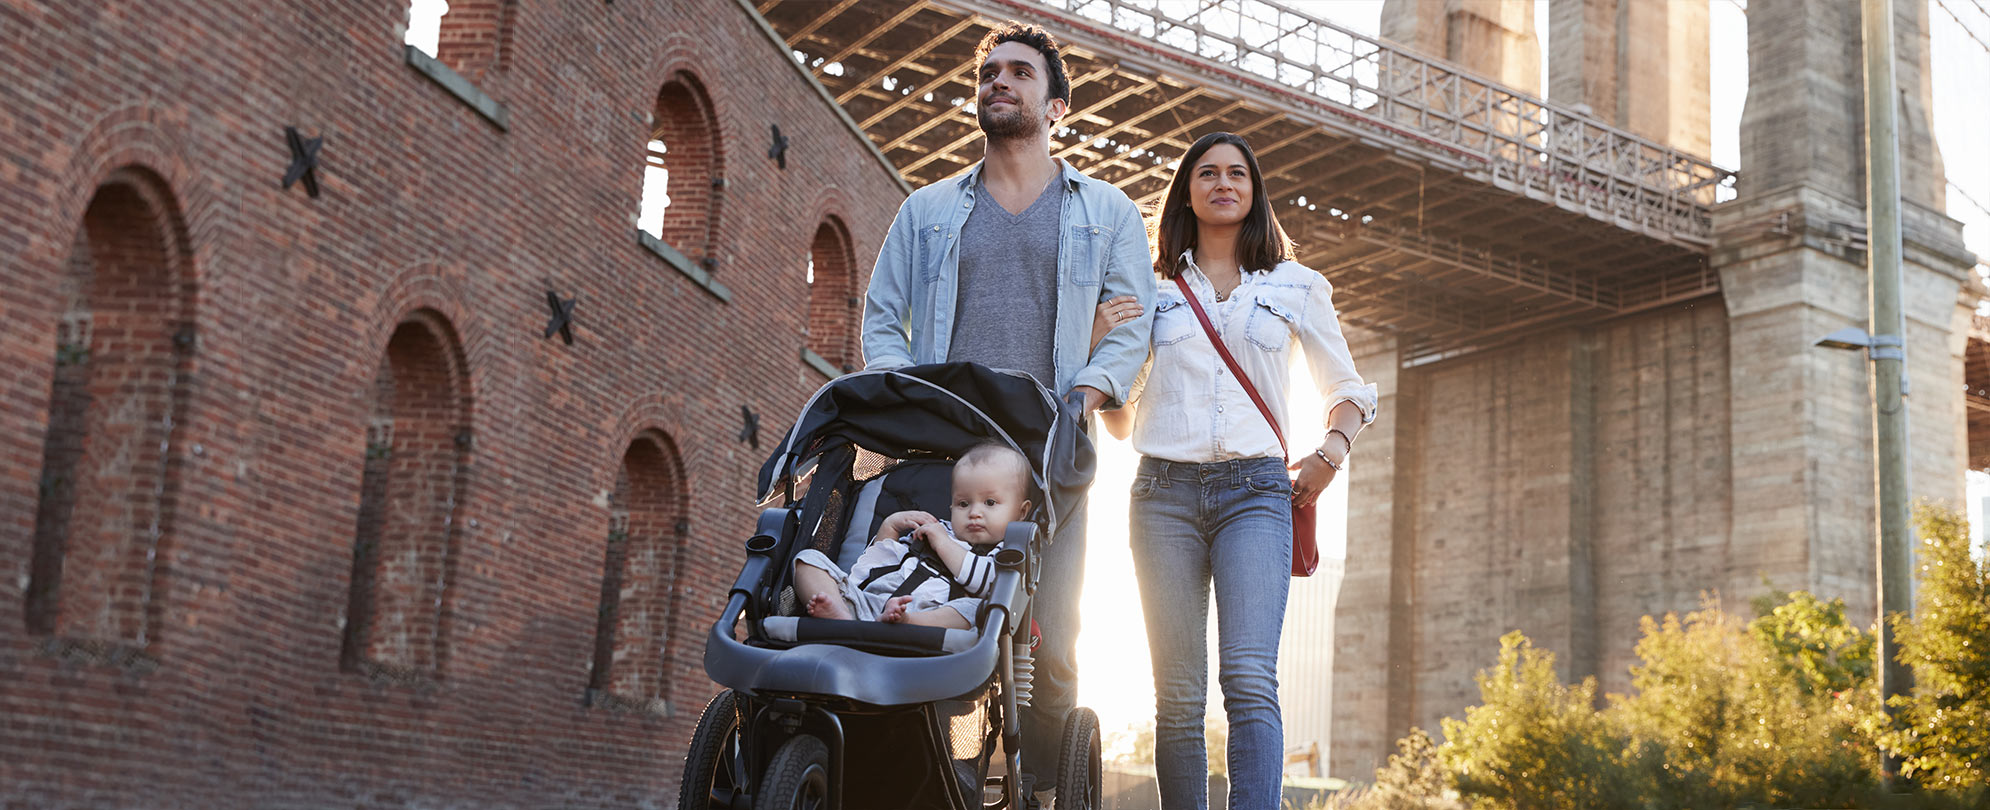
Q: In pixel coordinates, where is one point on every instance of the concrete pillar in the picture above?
(1492, 38)
(1469, 516)
(1790, 251)
(1637, 64)
(1371, 677)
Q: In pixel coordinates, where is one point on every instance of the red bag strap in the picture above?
(1224, 352)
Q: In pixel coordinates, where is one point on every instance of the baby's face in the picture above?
(986, 498)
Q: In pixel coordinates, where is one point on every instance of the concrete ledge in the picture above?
(458, 86)
(820, 364)
(684, 265)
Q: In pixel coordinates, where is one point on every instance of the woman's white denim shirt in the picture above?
(1190, 407)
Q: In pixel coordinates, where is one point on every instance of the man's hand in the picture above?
(1093, 398)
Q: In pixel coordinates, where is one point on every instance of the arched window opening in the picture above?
(646, 526)
(411, 495)
(681, 170)
(832, 302)
(471, 37)
(118, 389)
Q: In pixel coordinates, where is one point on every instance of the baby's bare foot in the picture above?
(895, 610)
(824, 606)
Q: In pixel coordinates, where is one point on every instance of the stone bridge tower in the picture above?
(1570, 484)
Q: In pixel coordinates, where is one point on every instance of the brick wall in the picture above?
(238, 385)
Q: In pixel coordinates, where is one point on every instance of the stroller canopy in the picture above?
(943, 409)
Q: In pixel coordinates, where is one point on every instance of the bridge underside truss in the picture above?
(1445, 209)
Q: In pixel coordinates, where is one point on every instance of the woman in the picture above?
(1212, 502)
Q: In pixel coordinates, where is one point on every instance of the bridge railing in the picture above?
(1515, 141)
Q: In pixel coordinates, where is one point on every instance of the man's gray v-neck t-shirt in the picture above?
(1005, 311)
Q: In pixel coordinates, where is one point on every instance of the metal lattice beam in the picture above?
(1445, 208)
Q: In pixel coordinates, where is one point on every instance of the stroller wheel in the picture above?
(712, 777)
(1080, 778)
(797, 778)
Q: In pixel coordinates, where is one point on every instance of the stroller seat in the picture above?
(843, 530)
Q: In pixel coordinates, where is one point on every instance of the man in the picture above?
(1004, 265)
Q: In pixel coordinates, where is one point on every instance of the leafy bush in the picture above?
(1778, 711)
(1762, 713)
(1942, 728)
(1537, 743)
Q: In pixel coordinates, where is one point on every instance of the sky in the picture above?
(1113, 651)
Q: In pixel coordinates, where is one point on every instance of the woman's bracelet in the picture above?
(1322, 451)
(1345, 438)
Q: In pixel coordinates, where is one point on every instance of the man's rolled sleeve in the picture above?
(1121, 353)
(887, 335)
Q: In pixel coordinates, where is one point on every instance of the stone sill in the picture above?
(684, 265)
(820, 364)
(458, 86)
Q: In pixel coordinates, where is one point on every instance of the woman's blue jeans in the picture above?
(1229, 523)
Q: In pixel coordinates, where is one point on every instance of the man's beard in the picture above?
(1019, 122)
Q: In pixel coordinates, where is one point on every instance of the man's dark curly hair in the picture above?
(1035, 37)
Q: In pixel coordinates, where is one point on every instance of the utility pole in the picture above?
(1888, 328)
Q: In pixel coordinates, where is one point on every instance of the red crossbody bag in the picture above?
(1305, 553)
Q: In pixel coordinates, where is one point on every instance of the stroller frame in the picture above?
(777, 736)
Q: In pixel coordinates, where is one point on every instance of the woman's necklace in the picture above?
(1223, 294)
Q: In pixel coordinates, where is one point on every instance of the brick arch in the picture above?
(832, 294)
(109, 476)
(686, 120)
(414, 472)
(130, 137)
(439, 288)
(648, 523)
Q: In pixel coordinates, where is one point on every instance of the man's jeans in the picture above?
(1230, 522)
(1055, 608)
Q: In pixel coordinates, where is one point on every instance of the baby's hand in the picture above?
(933, 533)
(897, 524)
(1111, 313)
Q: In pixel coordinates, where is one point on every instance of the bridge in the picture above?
(1638, 433)
(1449, 210)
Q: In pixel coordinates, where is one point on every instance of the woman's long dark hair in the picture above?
(1261, 243)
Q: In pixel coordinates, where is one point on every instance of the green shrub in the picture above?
(1536, 743)
(1941, 728)
(1762, 713)
(1778, 711)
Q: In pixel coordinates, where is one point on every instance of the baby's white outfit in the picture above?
(887, 565)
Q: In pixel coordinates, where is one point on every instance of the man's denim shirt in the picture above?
(909, 310)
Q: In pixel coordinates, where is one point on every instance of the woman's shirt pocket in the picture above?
(1174, 322)
(1270, 324)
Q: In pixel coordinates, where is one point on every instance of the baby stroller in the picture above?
(823, 713)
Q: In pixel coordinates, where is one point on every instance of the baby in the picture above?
(920, 569)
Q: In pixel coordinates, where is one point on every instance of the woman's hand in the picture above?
(1111, 313)
(1314, 476)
